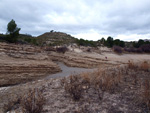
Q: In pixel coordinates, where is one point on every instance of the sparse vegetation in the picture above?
(117, 49)
(127, 83)
(33, 101)
(82, 42)
(112, 80)
(29, 101)
(62, 49)
(74, 87)
(54, 38)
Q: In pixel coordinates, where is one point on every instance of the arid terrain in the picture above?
(118, 85)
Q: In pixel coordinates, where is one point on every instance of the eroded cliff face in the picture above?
(21, 63)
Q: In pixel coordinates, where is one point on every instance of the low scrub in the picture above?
(144, 66)
(74, 86)
(145, 48)
(33, 101)
(142, 49)
(117, 49)
(62, 49)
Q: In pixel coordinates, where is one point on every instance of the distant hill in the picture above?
(55, 38)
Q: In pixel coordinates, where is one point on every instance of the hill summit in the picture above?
(55, 38)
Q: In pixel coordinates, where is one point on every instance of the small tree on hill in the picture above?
(109, 42)
(13, 31)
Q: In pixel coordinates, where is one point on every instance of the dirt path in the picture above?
(66, 71)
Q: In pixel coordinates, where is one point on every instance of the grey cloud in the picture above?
(106, 17)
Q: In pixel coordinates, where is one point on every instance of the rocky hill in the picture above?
(55, 38)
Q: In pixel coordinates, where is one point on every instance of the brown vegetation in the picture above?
(30, 102)
(120, 79)
(33, 101)
(74, 87)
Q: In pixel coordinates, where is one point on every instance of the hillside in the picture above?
(25, 68)
(55, 38)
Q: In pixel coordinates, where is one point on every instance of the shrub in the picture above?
(88, 50)
(49, 49)
(62, 49)
(139, 50)
(33, 101)
(140, 66)
(135, 50)
(74, 87)
(117, 49)
(145, 66)
(145, 48)
(131, 65)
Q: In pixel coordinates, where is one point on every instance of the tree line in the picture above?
(12, 36)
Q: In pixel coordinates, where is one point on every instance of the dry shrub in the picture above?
(146, 93)
(117, 49)
(131, 65)
(146, 48)
(74, 87)
(106, 80)
(145, 66)
(62, 49)
(33, 101)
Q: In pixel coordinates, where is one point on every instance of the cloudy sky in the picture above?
(88, 19)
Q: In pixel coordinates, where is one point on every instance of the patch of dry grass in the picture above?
(28, 101)
(119, 79)
(144, 66)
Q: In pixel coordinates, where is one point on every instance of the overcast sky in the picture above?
(88, 19)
